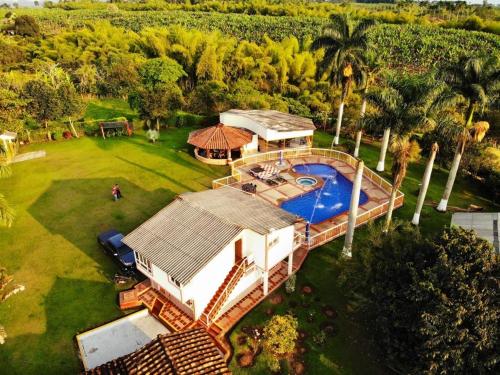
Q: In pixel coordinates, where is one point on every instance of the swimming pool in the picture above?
(332, 199)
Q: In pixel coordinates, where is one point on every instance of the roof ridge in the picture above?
(200, 207)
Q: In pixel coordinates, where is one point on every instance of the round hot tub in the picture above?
(306, 181)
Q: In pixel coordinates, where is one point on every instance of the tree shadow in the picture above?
(71, 306)
(79, 209)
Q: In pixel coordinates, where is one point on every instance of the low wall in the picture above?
(210, 161)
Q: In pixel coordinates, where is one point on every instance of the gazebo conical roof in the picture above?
(219, 137)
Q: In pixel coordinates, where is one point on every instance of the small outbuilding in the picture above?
(275, 130)
(486, 225)
(219, 144)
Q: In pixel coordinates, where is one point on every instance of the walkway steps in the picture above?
(223, 292)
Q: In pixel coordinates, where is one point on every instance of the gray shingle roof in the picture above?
(244, 210)
(275, 120)
(184, 236)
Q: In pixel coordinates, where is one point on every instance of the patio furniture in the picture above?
(249, 188)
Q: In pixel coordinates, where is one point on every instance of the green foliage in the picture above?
(280, 335)
(290, 284)
(431, 303)
(25, 25)
(159, 71)
(43, 102)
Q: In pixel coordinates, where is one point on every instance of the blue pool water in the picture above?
(332, 199)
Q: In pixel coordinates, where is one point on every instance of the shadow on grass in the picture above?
(79, 209)
(71, 306)
(154, 171)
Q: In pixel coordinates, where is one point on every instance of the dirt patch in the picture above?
(276, 299)
(329, 312)
(299, 368)
(329, 328)
(245, 359)
(307, 289)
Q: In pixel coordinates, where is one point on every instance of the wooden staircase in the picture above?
(222, 294)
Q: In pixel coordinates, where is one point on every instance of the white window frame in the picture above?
(144, 262)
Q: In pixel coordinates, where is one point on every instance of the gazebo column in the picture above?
(209, 154)
(353, 209)
(229, 156)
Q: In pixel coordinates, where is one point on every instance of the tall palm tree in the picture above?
(344, 44)
(401, 151)
(6, 212)
(368, 74)
(477, 82)
(407, 103)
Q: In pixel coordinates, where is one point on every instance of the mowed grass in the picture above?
(349, 351)
(64, 200)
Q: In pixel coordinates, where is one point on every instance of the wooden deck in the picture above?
(160, 306)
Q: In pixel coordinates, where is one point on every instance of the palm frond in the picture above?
(6, 212)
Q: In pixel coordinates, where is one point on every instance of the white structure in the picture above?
(118, 338)
(486, 225)
(206, 250)
(273, 128)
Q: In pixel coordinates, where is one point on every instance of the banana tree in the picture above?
(344, 44)
(477, 81)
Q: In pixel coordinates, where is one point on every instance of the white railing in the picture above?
(339, 229)
(210, 316)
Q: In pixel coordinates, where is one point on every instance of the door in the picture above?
(238, 251)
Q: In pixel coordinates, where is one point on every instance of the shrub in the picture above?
(319, 338)
(290, 284)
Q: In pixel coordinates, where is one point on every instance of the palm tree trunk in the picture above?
(383, 150)
(425, 184)
(451, 178)
(390, 209)
(359, 133)
(158, 124)
(353, 209)
(339, 123)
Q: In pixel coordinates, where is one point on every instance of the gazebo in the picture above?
(216, 144)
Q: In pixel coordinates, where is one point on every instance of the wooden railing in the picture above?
(208, 317)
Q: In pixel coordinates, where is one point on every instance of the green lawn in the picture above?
(64, 200)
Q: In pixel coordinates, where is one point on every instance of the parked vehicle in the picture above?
(111, 241)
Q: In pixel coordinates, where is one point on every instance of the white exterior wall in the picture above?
(251, 147)
(203, 286)
(237, 121)
(161, 278)
(276, 253)
(284, 246)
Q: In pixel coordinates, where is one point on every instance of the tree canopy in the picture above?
(432, 304)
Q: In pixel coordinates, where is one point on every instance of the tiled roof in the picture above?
(186, 352)
(186, 235)
(275, 120)
(219, 137)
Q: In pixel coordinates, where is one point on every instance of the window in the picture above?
(144, 262)
(174, 281)
(274, 242)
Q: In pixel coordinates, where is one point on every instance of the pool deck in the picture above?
(377, 196)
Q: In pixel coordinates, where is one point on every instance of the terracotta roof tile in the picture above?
(184, 353)
(219, 137)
